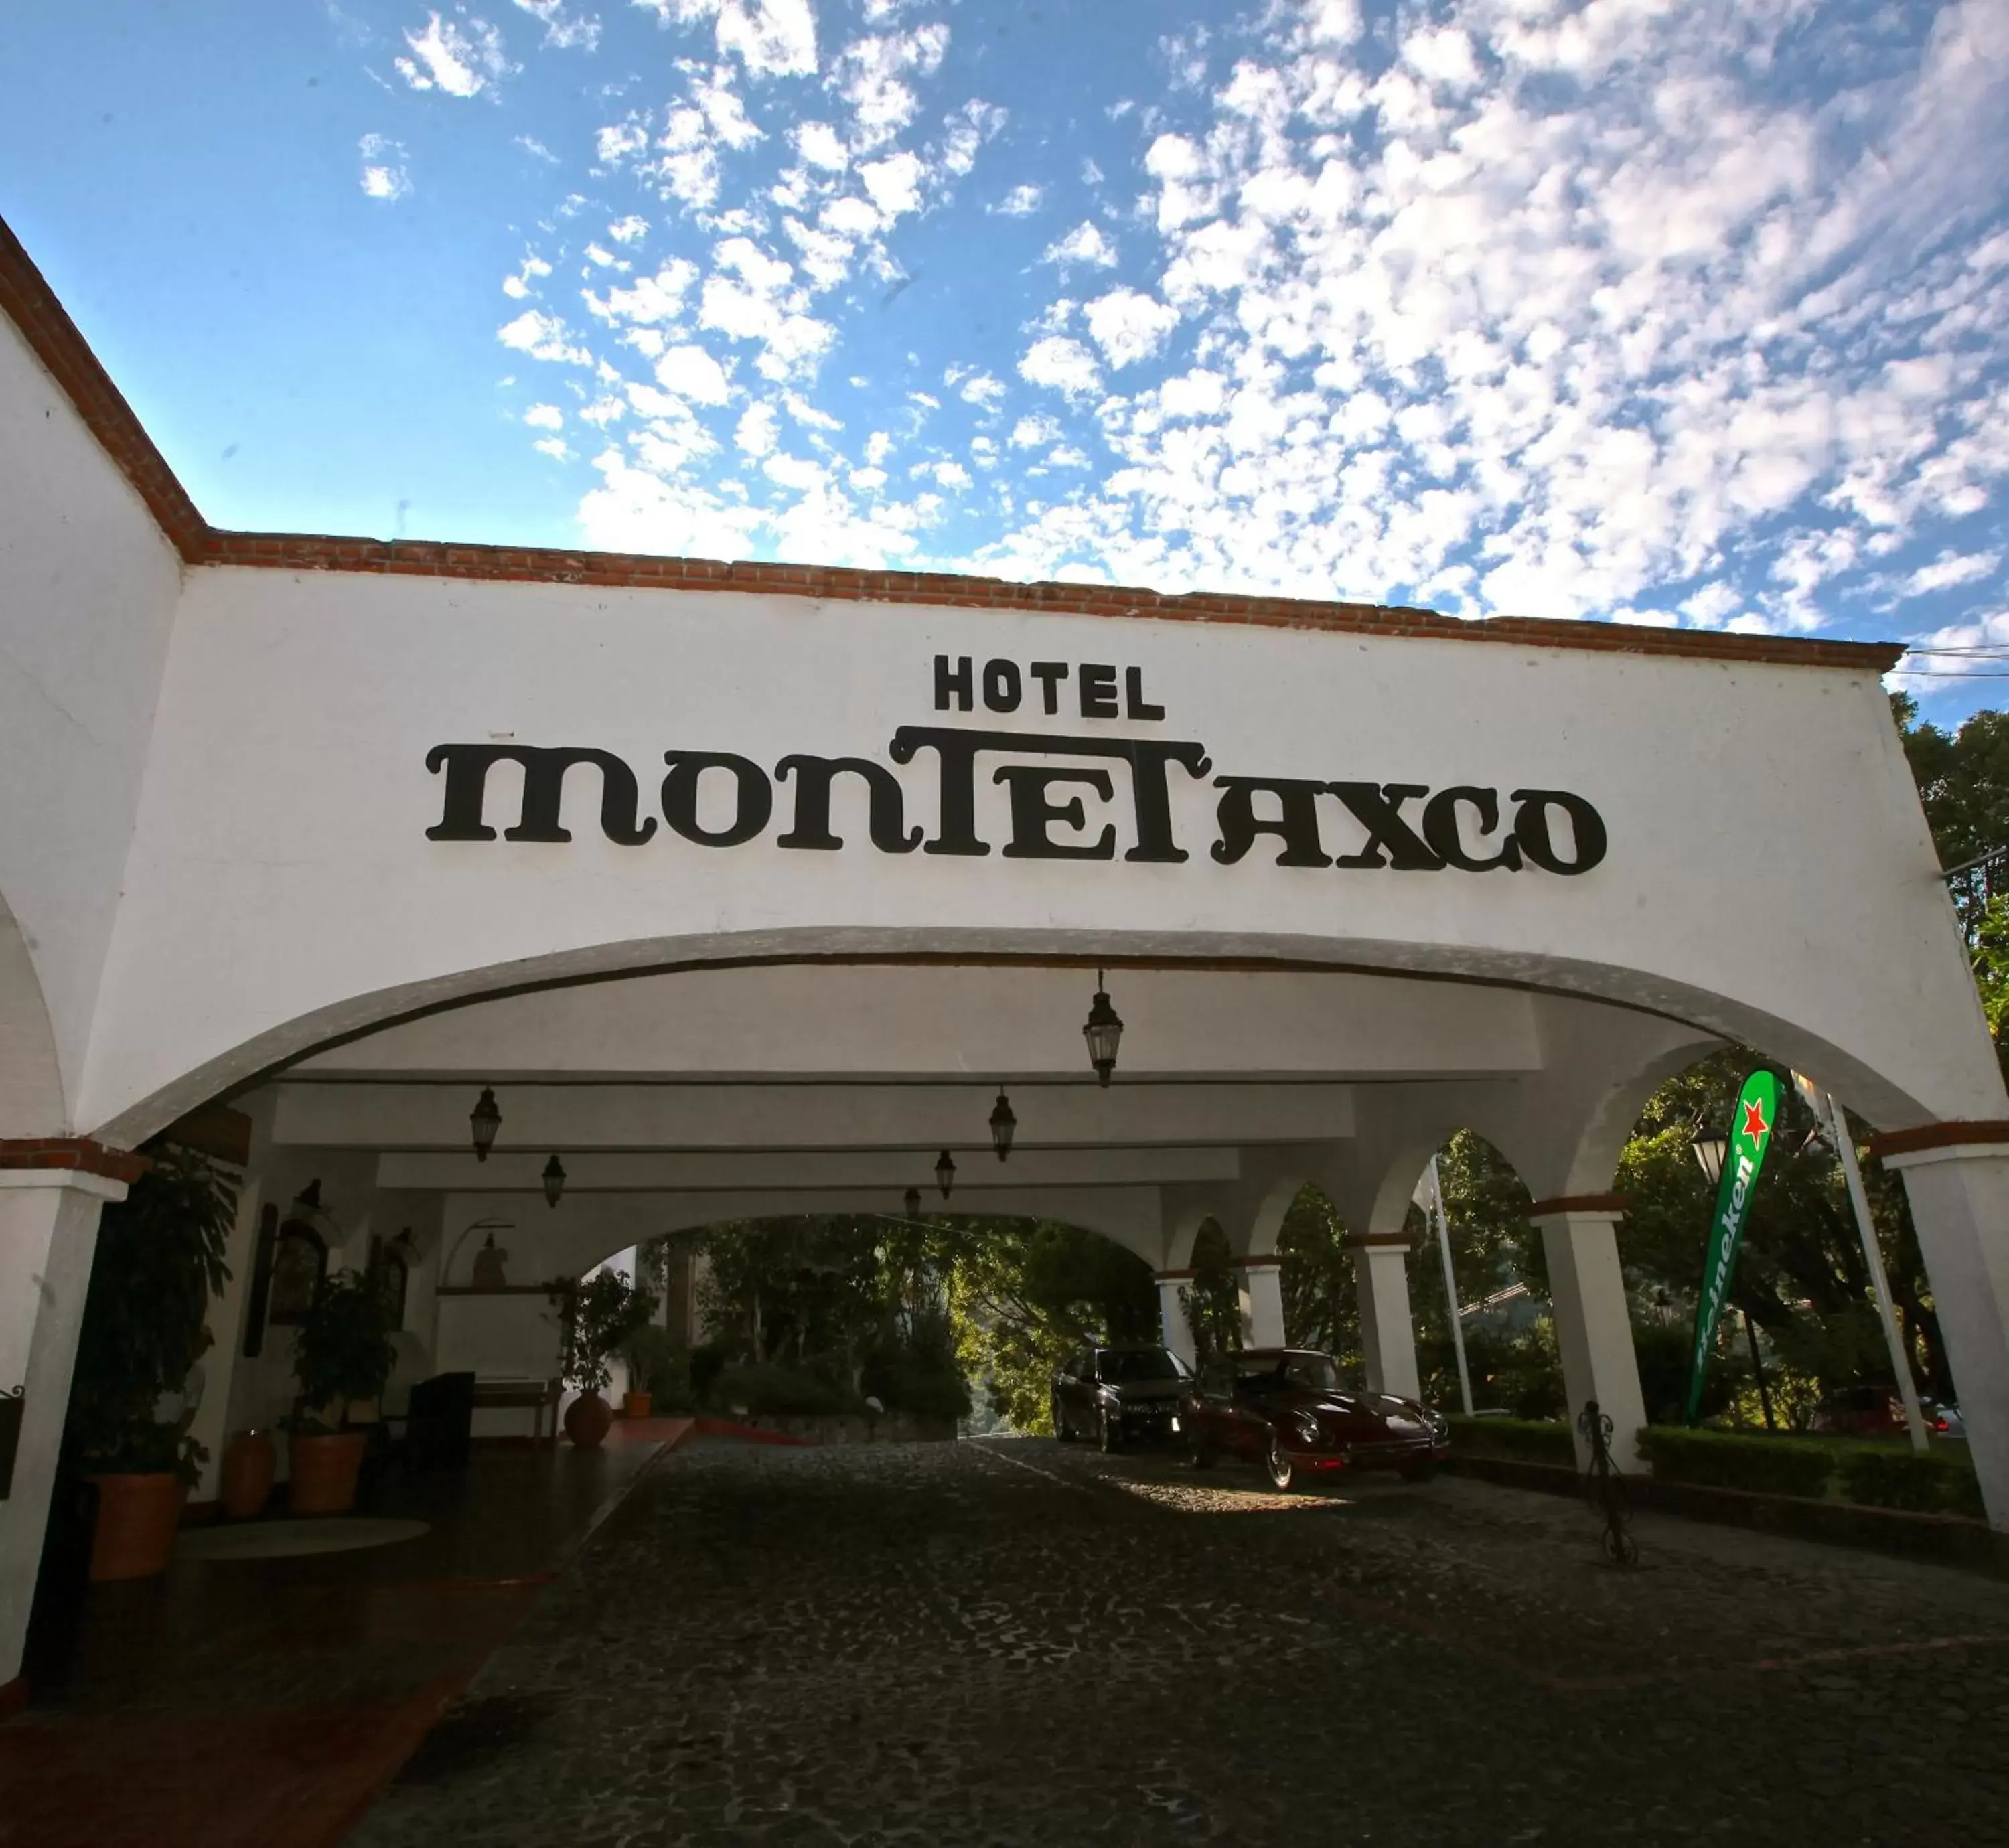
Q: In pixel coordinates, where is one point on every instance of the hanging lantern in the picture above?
(1709, 1145)
(486, 1118)
(913, 1202)
(1103, 1031)
(944, 1173)
(554, 1181)
(1003, 1123)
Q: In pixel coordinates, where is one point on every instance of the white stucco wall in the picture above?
(283, 887)
(88, 588)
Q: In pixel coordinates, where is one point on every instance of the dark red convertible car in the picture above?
(1291, 1410)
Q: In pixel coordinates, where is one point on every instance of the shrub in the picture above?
(926, 1386)
(1730, 1460)
(1515, 1440)
(776, 1390)
(1894, 1478)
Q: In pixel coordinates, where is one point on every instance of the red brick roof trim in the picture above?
(27, 299)
(642, 570)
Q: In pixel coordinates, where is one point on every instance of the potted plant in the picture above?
(343, 1354)
(651, 1357)
(595, 1319)
(159, 1260)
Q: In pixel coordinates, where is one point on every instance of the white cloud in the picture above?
(984, 390)
(1950, 569)
(543, 337)
(772, 38)
(544, 416)
(893, 184)
(627, 230)
(821, 146)
(383, 174)
(871, 75)
(1084, 244)
(554, 447)
(530, 144)
(1064, 364)
(518, 286)
(1034, 433)
(692, 373)
(1021, 202)
(648, 299)
(562, 34)
(1128, 326)
(757, 434)
(457, 59)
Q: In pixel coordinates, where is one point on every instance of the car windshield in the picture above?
(1123, 1366)
(1286, 1373)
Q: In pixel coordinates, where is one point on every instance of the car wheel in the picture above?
(1062, 1429)
(1277, 1464)
(1106, 1434)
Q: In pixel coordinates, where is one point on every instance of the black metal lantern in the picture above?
(1103, 1031)
(554, 1181)
(1710, 1145)
(486, 1118)
(1003, 1123)
(944, 1172)
(913, 1202)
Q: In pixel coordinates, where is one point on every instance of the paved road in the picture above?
(1025, 1643)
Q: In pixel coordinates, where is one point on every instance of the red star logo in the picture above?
(1756, 1128)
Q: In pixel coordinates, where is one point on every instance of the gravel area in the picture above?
(1020, 1642)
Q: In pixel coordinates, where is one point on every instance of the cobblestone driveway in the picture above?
(1024, 1643)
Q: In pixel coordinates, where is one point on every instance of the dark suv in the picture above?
(1118, 1395)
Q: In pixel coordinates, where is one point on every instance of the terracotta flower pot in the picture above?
(136, 1519)
(587, 1420)
(324, 1471)
(635, 1405)
(249, 1466)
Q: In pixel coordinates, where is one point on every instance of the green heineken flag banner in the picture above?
(1750, 1136)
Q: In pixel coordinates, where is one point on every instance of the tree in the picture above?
(1025, 1292)
(1321, 1307)
(1211, 1297)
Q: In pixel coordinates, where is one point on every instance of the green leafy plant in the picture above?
(656, 1364)
(774, 1389)
(1889, 1478)
(158, 1262)
(344, 1350)
(1514, 1440)
(595, 1319)
(1728, 1459)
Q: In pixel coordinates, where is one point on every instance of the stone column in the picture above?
(1174, 1329)
(1593, 1323)
(1262, 1293)
(1387, 1331)
(1956, 1176)
(51, 1195)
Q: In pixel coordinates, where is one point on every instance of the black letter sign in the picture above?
(1033, 808)
(1531, 829)
(467, 768)
(1296, 826)
(752, 802)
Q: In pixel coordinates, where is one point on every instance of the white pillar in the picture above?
(49, 1230)
(1262, 1293)
(1388, 1332)
(1593, 1324)
(1174, 1329)
(1960, 1205)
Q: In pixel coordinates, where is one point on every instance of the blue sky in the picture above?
(1690, 311)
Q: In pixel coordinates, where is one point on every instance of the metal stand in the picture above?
(1604, 1487)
